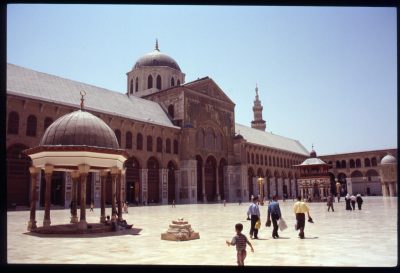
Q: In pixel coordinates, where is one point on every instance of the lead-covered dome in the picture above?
(388, 159)
(80, 128)
(156, 58)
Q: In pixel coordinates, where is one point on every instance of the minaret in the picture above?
(258, 122)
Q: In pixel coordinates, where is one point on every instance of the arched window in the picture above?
(128, 140)
(178, 82)
(118, 135)
(358, 163)
(47, 122)
(337, 164)
(137, 85)
(13, 123)
(343, 164)
(172, 81)
(352, 163)
(131, 87)
(373, 162)
(31, 126)
(367, 162)
(149, 143)
(168, 146)
(176, 147)
(252, 158)
(158, 82)
(150, 81)
(171, 110)
(257, 159)
(139, 141)
(159, 145)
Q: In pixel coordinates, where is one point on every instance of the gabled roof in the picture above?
(41, 86)
(208, 87)
(312, 161)
(270, 140)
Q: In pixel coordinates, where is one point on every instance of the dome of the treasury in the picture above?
(388, 159)
(80, 128)
(156, 58)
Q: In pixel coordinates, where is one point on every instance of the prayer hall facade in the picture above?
(181, 138)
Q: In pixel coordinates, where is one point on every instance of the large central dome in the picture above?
(156, 58)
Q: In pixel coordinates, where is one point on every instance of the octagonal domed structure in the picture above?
(80, 128)
(156, 58)
(388, 159)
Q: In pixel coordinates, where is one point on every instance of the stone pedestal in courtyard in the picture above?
(180, 230)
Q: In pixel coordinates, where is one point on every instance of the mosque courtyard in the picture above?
(362, 238)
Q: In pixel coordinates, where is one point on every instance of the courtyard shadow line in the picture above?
(132, 231)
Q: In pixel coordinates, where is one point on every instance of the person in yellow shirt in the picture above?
(300, 209)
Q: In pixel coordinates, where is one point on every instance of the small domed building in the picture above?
(389, 175)
(77, 143)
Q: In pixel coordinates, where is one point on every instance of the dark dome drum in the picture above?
(80, 128)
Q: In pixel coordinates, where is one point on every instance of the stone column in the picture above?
(114, 177)
(218, 197)
(103, 179)
(349, 185)
(34, 178)
(123, 185)
(83, 173)
(203, 183)
(143, 178)
(164, 185)
(48, 172)
(290, 187)
(119, 193)
(75, 178)
(391, 189)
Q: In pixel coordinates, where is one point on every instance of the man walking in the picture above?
(254, 212)
(274, 214)
(330, 202)
(300, 208)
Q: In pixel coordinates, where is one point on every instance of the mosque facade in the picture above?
(181, 138)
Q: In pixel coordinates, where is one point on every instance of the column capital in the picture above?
(75, 175)
(103, 173)
(83, 168)
(48, 169)
(115, 171)
(34, 170)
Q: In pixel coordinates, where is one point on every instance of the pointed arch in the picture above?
(149, 81)
(158, 82)
(13, 123)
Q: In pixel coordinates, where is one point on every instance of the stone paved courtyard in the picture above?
(341, 238)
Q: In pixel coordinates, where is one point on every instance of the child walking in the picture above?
(240, 241)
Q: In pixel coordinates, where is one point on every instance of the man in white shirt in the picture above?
(254, 212)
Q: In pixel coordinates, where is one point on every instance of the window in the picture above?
(257, 159)
(13, 123)
(118, 135)
(176, 147)
(358, 163)
(172, 82)
(150, 82)
(352, 163)
(149, 144)
(158, 82)
(273, 161)
(131, 87)
(159, 145)
(47, 122)
(270, 161)
(373, 162)
(31, 126)
(128, 140)
(178, 82)
(266, 160)
(171, 111)
(137, 85)
(168, 146)
(337, 164)
(343, 164)
(252, 158)
(139, 141)
(367, 162)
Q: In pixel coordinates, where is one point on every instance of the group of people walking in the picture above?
(352, 200)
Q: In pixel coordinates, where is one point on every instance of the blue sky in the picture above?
(326, 75)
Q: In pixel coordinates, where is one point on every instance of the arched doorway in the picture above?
(132, 178)
(250, 175)
(18, 176)
(199, 178)
(153, 181)
(343, 184)
(171, 181)
(210, 175)
(222, 164)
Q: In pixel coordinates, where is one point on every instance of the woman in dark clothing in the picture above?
(359, 201)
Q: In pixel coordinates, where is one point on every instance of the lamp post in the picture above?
(260, 181)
